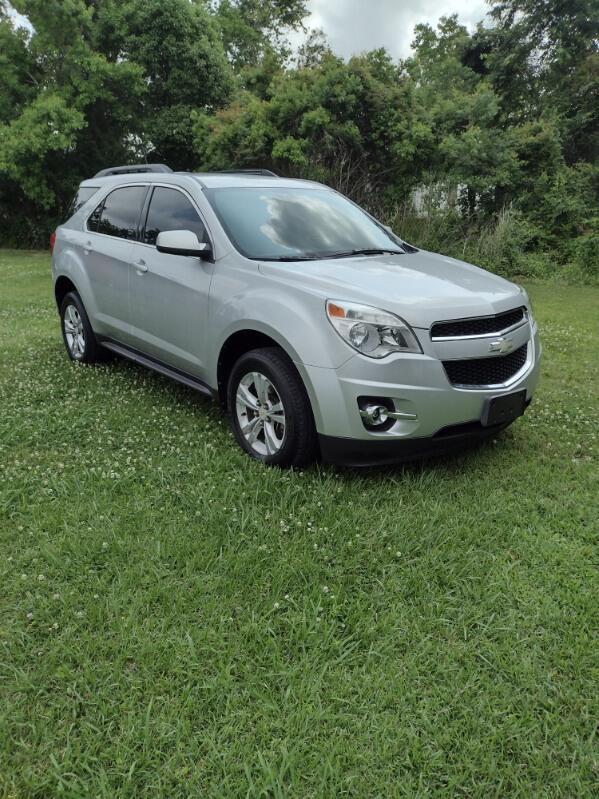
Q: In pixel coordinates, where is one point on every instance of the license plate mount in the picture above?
(503, 409)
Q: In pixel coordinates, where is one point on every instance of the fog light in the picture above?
(375, 414)
(379, 413)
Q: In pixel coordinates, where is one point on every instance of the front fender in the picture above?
(295, 320)
(259, 326)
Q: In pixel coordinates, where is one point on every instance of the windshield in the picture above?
(297, 223)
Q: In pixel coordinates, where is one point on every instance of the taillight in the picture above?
(52, 241)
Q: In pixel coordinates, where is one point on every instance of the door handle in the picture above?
(140, 266)
(88, 247)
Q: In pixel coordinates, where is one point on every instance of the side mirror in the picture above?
(182, 242)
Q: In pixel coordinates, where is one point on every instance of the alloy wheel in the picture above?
(73, 331)
(260, 414)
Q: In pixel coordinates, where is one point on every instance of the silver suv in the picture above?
(317, 328)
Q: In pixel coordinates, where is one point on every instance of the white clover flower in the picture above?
(325, 588)
(276, 606)
(30, 616)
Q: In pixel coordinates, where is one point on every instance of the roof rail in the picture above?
(265, 172)
(131, 168)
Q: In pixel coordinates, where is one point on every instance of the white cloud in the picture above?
(353, 26)
(18, 20)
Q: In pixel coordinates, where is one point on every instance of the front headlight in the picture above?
(528, 304)
(371, 331)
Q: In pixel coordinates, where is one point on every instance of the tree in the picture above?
(354, 126)
(72, 108)
(176, 44)
(314, 50)
(253, 28)
(560, 42)
(15, 64)
(507, 115)
(98, 82)
(470, 149)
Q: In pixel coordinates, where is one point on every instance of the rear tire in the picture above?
(77, 334)
(270, 410)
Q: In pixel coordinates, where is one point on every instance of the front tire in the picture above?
(270, 410)
(77, 333)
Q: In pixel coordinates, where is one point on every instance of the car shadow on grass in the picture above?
(477, 457)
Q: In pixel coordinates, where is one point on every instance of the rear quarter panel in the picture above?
(68, 261)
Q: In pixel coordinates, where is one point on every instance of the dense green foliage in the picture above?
(497, 129)
(178, 621)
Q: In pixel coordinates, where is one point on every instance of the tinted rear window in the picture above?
(120, 212)
(83, 195)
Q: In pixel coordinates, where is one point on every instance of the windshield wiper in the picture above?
(290, 258)
(322, 256)
(365, 251)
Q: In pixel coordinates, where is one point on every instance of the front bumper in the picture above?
(416, 384)
(356, 452)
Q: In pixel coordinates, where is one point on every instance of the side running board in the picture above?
(157, 366)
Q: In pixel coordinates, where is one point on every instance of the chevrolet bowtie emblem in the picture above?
(501, 345)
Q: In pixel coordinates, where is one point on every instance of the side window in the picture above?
(120, 212)
(94, 217)
(171, 210)
(82, 196)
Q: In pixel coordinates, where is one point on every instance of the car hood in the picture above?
(422, 287)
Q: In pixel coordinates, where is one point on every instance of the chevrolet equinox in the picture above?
(318, 329)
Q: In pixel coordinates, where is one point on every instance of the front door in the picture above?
(168, 294)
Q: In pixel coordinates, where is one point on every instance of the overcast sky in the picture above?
(352, 26)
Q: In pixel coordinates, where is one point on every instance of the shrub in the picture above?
(586, 255)
(507, 244)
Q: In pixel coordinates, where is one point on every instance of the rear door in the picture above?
(168, 294)
(108, 248)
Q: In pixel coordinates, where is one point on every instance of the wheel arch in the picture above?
(62, 287)
(249, 338)
(236, 345)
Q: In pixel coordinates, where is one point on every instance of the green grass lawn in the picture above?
(179, 621)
